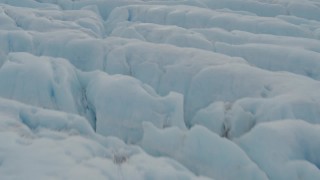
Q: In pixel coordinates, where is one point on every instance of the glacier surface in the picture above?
(160, 89)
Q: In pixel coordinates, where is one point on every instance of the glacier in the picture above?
(160, 89)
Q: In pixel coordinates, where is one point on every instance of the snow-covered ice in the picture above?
(160, 89)
(285, 150)
(45, 144)
(201, 151)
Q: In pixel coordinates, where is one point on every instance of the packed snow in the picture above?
(160, 89)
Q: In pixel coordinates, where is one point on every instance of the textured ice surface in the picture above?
(285, 150)
(169, 89)
(114, 105)
(44, 144)
(201, 151)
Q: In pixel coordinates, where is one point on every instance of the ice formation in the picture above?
(167, 89)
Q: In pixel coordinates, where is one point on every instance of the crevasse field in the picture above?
(159, 89)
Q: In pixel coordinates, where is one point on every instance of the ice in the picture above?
(44, 144)
(276, 58)
(40, 82)
(254, 6)
(159, 89)
(119, 100)
(213, 117)
(237, 37)
(29, 4)
(202, 151)
(284, 150)
(258, 92)
(187, 17)
(49, 20)
(122, 103)
(162, 34)
(165, 69)
(308, 11)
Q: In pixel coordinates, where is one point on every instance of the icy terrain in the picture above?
(160, 89)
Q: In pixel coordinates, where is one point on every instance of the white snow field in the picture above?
(160, 89)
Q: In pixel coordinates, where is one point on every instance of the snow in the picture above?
(166, 89)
